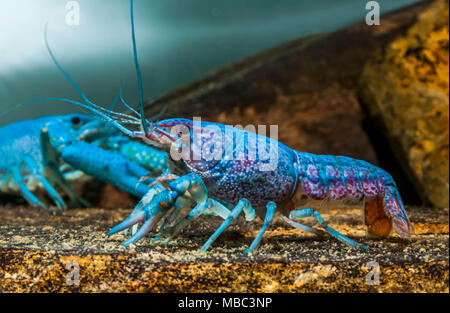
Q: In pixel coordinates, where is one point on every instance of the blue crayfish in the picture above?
(225, 171)
(53, 152)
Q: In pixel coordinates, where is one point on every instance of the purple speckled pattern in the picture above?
(368, 178)
(341, 177)
(241, 176)
(311, 175)
(350, 173)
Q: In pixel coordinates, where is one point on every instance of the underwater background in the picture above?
(178, 42)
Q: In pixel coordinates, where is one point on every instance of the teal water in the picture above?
(178, 41)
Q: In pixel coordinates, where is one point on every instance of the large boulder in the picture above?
(405, 88)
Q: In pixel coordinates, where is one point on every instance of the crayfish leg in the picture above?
(377, 221)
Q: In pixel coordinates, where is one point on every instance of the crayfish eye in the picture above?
(76, 120)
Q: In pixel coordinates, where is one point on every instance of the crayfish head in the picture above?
(75, 122)
(185, 140)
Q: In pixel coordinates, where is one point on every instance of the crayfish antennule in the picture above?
(138, 134)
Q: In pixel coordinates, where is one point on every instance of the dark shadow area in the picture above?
(14, 200)
(389, 162)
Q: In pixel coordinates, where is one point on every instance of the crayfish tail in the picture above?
(384, 212)
(396, 210)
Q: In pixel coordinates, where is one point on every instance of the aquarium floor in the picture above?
(38, 246)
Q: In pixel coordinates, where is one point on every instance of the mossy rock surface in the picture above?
(406, 88)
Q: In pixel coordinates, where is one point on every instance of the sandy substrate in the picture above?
(38, 246)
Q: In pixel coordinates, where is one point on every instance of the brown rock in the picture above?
(406, 89)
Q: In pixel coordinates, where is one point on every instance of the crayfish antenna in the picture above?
(116, 118)
(138, 73)
(96, 109)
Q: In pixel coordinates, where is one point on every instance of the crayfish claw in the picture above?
(127, 223)
(145, 228)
